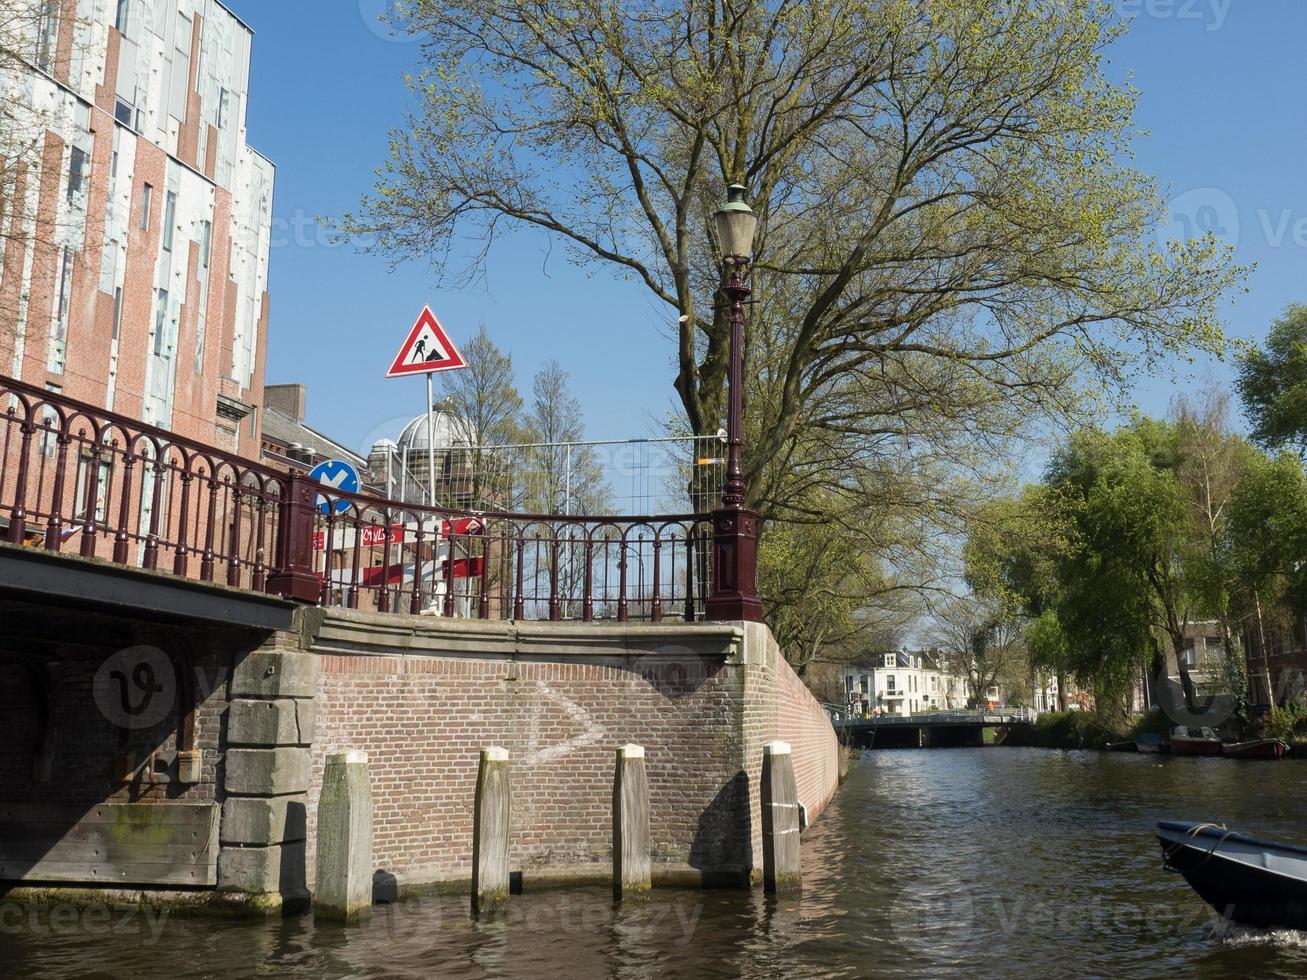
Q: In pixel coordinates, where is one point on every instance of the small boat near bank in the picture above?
(1194, 741)
(1256, 748)
(1126, 746)
(1252, 881)
(1150, 743)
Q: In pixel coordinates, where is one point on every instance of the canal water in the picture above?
(972, 863)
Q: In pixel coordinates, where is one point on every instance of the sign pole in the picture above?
(431, 446)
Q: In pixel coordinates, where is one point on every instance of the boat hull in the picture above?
(1195, 746)
(1259, 748)
(1254, 882)
(1152, 744)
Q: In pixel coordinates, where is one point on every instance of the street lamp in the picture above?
(735, 527)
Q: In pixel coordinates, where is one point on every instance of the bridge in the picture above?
(188, 635)
(937, 729)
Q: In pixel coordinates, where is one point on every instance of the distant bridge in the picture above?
(927, 729)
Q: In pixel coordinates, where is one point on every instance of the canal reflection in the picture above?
(965, 862)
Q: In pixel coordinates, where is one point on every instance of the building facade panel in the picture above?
(134, 271)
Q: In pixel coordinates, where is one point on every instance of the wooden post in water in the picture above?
(631, 844)
(490, 827)
(344, 865)
(782, 870)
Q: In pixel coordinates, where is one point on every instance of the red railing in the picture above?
(79, 479)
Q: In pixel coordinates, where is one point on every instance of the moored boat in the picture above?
(1255, 882)
(1256, 748)
(1126, 746)
(1151, 743)
(1194, 741)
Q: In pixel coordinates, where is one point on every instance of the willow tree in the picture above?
(953, 242)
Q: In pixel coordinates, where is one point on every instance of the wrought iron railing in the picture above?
(75, 478)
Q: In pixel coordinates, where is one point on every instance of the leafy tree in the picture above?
(1012, 555)
(1126, 578)
(1266, 539)
(952, 242)
(1272, 383)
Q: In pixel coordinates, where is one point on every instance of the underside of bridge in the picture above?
(106, 708)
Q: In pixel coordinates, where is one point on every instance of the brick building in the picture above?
(137, 220)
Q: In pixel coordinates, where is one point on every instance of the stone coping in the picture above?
(351, 631)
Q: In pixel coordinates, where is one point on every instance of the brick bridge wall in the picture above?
(421, 696)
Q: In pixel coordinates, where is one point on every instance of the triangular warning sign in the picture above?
(428, 348)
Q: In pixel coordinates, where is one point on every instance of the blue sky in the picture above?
(1221, 101)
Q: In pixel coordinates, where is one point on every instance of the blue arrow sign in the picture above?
(338, 475)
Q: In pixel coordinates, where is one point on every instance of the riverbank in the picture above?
(1087, 730)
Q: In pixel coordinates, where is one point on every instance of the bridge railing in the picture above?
(82, 480)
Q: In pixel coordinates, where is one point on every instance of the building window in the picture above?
(181, 69)
(47, 37)
(147, 200)
(124, 10)
(59, 335)
(117, 311)
(97, 493)
(169, 218)
(160, 321)
(49, 424)
(78, 165)
(206, 241)
(224, 108)
(889, 683)
(125, 114)
(1188, 658)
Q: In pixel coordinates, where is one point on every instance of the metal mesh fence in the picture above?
(671, 474)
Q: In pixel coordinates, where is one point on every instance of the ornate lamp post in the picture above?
(735, 589)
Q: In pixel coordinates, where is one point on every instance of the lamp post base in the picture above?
(735, 589)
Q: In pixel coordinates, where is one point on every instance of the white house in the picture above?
(903, 683)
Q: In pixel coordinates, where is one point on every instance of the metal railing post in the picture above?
(295, 577)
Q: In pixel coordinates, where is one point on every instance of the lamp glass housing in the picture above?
(736, 225)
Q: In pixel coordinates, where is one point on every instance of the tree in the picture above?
(952, 244)
(485, 405)
(1012, 555)
(1266, 539)
(1272, 383)
(35, 135)
(556, 478)
(1126, 578)
(1211, 461)
(982, 644)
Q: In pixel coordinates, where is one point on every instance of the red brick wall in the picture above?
(422, 721)
(701, 712)
(801, 721)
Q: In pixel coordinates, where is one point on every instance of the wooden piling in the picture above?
(632, 866)
(782, 870)
(344, 864)
(490, 831)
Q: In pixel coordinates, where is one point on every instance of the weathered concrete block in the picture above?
(267, 772)
(254, 820)
(344, 861)
(490, 829)
(260, 870)
(632, 865)
(782, 869)
(265, 674)
(307, 711)
(268, 723)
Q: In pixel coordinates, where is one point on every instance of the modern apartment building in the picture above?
(137, 220)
